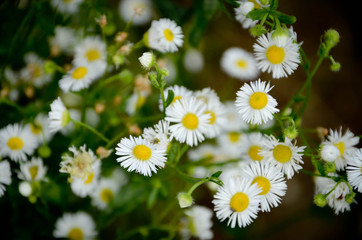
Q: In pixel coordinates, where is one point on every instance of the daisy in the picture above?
(34, 70)
(66, 6)
(251, 147)
(33, 170)
(354, 170)
(190, 119)
(139, 11)
(197, 223)
(80, 77)
(233, 118)
(165, 36)
(231, 143)
(104, 193)
(345, 143)
(70, 127)
(159, 135)
(286, 156)
(206, 151)
(238, 200)
(254, 104)
(282, 60)
(329, 152)
(269, 179)
(239, 64)
(245, 7)
(5, 176)
(58, 116)
(16, 142)
(140, 156)
(193, 60)
(92, 50)
(218, 118)
(180, 92)
(136, 101)
(40, 128)
(79, 225)
(85, 187)
(64, 39)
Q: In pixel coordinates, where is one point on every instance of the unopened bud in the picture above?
(99, 107)
(330, 167)
(335, 67)
(291, 132)
(147, 60)
(25, 189)
(121, 37)
(164, 72)
(153, 78)
(320, 200)
(49, 67)
(331, 38)
(135, 129)
(184, 200)
(118, 59)
(44, 151)
(350, 197)
(257, 30)
(102, 21)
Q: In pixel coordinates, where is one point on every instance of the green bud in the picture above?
(44, 151)
(257, 30)
(349, 197)
(32, 199)
(49, 67)
(291, 132)
(184, 199)
(331, 38)
(153, 78)
(320, 200)
(287, 112)
(145, 39)
(330, 167)
(264, 2)
(118, 59)
(335, 67)
(164, 72)
(109, 29)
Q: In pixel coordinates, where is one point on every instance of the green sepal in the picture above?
(216, 174)
(257, 14)
(284, 18)
(170, 97)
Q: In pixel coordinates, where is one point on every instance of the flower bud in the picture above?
(349, 197)
(329, 152)
(49, 67)
(291, 132)
(331, 38)
(25, 189)
(184, 199)
(320, 200)
(330, 167)
(280, 36)
(147, 60)
(335, 67)
(164, 72)
(257, 30)
(44, 151)
(153, 78)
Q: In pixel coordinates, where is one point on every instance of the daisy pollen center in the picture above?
(190, 121)
(241, 64)
(92, 55)
(258, 100)
(239, 202)
(254, 153)
(79, 73)
(142, 152)
(15, 143)
(212, 118)
(256, 4)
(90, 178)
(75, 234)
(275, 54)
(234, 136)
(263, 183)
(33, 172)
(340, 147)
(106, 195)
(35, 128)
(168, 34)
(282, 153)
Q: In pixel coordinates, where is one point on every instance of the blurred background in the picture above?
(335, 100)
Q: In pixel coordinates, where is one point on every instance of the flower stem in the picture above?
(91, 129)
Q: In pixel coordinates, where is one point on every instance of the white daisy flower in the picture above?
(245, 7)
(197, 223)
(239, 64)
(165, 36)
(354, 170)
(232, 171)
(139, 11)
(254, 104)
(58, 116)
(92, 50)
(251, 147)
(64, 39)
(104, 193)
(190, 119)
(218, 118)
(180, 92)
(193, 60)
(286, 156)
(66, 6)
(79, 225)
(136, 101)
(282, 60)
(206, 151)
(33, 170)
(69, 129)
(206, 94)
(85, 187)
(138, 155)
(80, 77)
(34, 70)
(269, 179)
(231, 143)
(329, 152)
(238, 200)
(345, 143)
(16, 142)
(40, 128)
(5, 176)
(159, 135)
(233, 118)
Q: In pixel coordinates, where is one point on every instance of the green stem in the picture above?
(138, 45)
(91, 129)
(196, 185)
(116, 138)
(11, 104)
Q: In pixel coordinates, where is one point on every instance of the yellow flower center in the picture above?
(75, 234)
(33, 172)
(90, 178)
(168, 34)
(190, 121)
(107, 195)
(256, 4)
(15, 143)
(213, 117)
(254, 153)
(340, 147)
(239, 202)
(241, 64)
(142, 152)
(275, 54)
(258, 100)
(35, 128)
(36, 71)
(234, 136)
(79, 73)
(92, 55)
(263, 183)
(282, 153)
(176, 98)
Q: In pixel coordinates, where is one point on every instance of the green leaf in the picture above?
(257, 14)
(320, 167)
(274, 4)
(170, 97)
(284, 18)
(233, 3)
(216, 174)
(152, 197)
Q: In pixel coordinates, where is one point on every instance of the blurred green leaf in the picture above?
(257, 14)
